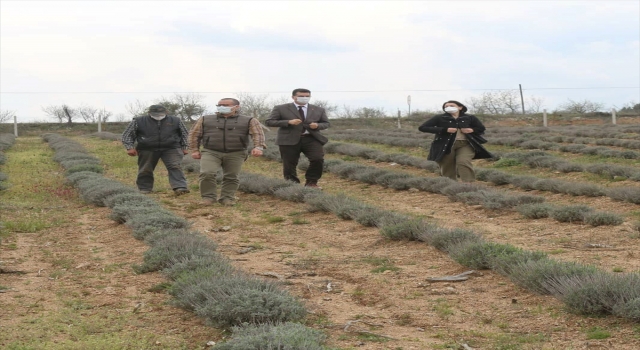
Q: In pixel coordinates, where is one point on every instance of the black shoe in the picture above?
(180, 191)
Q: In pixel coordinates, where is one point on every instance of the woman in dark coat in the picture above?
(458, 140)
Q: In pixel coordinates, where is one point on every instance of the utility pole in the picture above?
(399, 118)
(409, 103)
(521, 98)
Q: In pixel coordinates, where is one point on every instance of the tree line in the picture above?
(190, 107)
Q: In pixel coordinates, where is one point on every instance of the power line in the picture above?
(324, 91)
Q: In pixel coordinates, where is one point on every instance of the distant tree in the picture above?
(504, 102)
(188, 107)
(136, 108)
(328, 107)
(581, 107)
(534, 104)
(61, 113)
(346, 112)
(631, 107)
(254, 105)
(6, 115)
(368, 112)
(121, 117)
(93, 115)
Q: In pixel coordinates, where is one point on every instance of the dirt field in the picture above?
(78, 289)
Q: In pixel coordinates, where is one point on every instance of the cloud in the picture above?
(145, 49)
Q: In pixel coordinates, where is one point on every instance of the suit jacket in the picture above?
(290, 134)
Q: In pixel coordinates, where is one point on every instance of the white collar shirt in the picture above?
(304, 110)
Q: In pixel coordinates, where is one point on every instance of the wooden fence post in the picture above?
(15, 126)
(544, 118)
(613, 116)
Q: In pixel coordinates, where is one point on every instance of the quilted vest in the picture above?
(158, 135)
(230, 134)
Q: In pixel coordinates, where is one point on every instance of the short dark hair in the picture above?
(235, 101)
(300, 90)
(464, 108)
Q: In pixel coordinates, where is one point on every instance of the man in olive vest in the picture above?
(224, 138)
(158, 136)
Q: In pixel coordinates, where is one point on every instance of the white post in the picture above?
(399, 119)
(15, 125)
(544, 117)
(99, 124)
(613, 116)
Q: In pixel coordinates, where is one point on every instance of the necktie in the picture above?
(301, 112)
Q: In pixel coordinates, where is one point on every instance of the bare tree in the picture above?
(6, 115)
(190, 106)
(534, 104)
(280, 100)
(581, 107)
(93, 115)
(121, 117)
(346, 112)
(328, 107)
(254, 105)
(496, 102)
(61, 113)
(136, 108)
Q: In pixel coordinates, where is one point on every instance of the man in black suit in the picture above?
(299, 126)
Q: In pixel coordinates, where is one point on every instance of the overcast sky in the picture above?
(356, 53)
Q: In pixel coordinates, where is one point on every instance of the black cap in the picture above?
(157, 109)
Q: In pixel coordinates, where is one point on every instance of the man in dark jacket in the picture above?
(157, 136)
(457, 141)
(299, 124)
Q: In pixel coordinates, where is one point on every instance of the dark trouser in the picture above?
(147, 161)
(290, 155)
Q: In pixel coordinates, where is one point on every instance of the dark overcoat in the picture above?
(443, 140)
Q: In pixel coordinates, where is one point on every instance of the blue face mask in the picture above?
(302, 100)
(224, 109)
(451, 109)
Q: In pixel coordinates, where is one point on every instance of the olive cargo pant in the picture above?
(211, 163)
(458, 162)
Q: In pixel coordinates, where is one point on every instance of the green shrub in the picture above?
(533, 275)
(629, 309)
(142, 225)
(624, 194)
(535, 210)
(442, 238)
(603, 219)
(296, 193)
(506, 162)
(174, 248)
(191, 287)
(235, 299)
(197, 267)
(133, 198)
(252, 183)
(408, 229)
(99, 193)
(596, 294)
(480, 254)
(340, 205)
(570, 213)
(75, 178)
(285, 336)
(124, 212)
(96, 168)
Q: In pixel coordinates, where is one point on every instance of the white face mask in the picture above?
(158, 117)
(302, 100)
(224, 109)
(451, 109)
